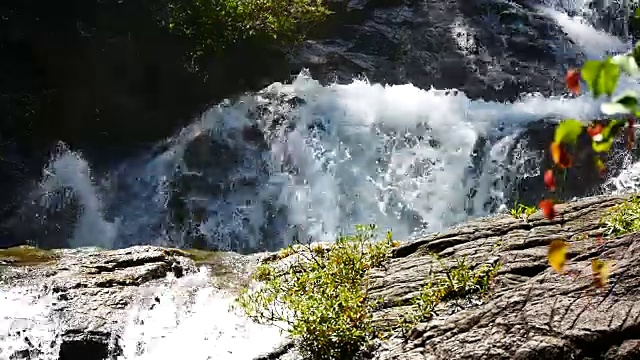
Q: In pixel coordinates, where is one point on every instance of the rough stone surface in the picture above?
(533, 312)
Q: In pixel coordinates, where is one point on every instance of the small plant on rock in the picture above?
(213, 25)
(456, 282)
(522, 211)
(321, 297)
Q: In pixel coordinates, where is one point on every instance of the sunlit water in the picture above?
(401, 157)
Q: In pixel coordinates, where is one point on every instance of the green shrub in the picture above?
(321, 297)
(215, 24)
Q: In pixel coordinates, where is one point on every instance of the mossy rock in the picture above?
(26, 255)
(225, 268)
(202, 257)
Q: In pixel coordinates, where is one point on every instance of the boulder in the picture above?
(533, 312)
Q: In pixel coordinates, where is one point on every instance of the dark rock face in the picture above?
(104, 77)
(582, 179)
(489, 49)
(112, 88)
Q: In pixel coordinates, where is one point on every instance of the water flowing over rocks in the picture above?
(92, 290)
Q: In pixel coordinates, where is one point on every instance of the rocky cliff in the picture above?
(106, 79)
(531, 312)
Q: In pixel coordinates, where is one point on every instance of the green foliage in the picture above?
(608, 133)
(601, 76)
(567, 132)
(623, 218)
(522, 211)
(456, 282)
(215, 24)
(321, 297)
(623, 104)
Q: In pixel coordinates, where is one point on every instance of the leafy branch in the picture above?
(601, 78)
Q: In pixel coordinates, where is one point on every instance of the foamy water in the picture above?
(192, 318)
(25, 324)
(408, 159)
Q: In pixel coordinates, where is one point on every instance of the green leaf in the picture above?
(602, 146)
(628, 98)
(608, 136)
(568, 131)
(601, 76)
(612, 129)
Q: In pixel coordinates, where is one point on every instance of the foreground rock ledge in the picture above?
(533, 313)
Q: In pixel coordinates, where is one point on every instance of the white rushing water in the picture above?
(401, 157)
(25, 323)
(190, 316)
(407, 159)
(194, 318)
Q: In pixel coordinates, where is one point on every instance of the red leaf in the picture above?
(631, 133)
(549, 180)
(547, 208)
(560, 156)
(573, 81)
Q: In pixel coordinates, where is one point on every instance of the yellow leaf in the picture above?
(601, 270)
(557, 254)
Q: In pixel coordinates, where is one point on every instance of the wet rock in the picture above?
(45, 219)
(583, 179)
(490, 49)
(93, 291)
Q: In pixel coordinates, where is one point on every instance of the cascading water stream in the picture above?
(398, 156)
(326, 158)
